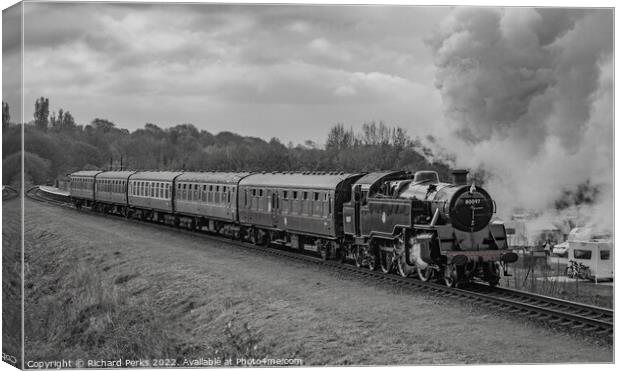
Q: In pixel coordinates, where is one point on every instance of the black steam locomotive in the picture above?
(411, 223)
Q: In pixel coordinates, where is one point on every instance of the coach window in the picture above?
(260, 193)
(157, 189)
(196, 192)
(184, 186)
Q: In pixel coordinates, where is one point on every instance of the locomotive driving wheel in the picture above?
(371, 258)
(358, 256)
(404, 269)
(450, 277)
(386, 260)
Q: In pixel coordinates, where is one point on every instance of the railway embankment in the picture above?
(96, 284)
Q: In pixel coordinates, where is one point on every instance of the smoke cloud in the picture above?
(527, 95)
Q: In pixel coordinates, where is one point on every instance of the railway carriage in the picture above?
(81, 187)
(210, 199)
(297, 208)
(111, 191)
(150, 194)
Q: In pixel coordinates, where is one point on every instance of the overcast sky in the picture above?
(262, 70)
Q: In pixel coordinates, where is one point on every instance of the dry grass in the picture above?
(11, 279)
(72, 312)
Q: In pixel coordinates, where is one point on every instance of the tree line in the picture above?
(56, 145)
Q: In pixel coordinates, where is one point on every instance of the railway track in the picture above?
(8, 193)
(556, 313)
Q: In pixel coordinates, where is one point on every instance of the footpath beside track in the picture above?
(573, 317)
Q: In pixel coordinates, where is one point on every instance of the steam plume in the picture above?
(528, 98)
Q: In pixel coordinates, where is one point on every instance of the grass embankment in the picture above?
(11, 281)
(74, 311)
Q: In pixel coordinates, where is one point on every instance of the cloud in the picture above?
(224, 66)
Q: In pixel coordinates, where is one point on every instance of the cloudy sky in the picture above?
(262, 70)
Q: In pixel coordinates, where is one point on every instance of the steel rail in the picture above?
(555, 312)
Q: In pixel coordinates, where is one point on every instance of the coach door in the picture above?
(273, 206)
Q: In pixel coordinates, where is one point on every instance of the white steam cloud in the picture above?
(528, 97)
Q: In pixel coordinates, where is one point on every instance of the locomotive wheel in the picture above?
(424, 274)
(451, 279)
(404, 269)
(371, 258)
(386, 261)
(358, 257)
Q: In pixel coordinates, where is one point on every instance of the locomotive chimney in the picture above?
(459, 177)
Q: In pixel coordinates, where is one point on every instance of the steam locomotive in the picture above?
(393, 221)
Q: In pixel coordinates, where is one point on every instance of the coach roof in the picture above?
(160, 176)
(211, 177)
(295, 180)
(115, 174)
(86, 173)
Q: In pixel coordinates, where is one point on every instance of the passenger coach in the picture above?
(210, 199)
(82, 187)
(303, 209)
(111, 191)
(150, 195)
